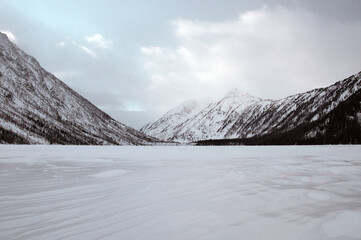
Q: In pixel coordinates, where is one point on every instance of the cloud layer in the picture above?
(98, 40)
(270, 52)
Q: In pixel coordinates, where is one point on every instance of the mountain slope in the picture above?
(341, 126)
(210, 118)
(172, 118)
(245, 116)
(37, 108)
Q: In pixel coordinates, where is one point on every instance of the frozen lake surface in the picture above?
(297, 192)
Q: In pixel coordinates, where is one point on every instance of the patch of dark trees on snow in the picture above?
(10, 137)
(52, 133)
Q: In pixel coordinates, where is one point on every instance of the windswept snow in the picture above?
(69, 192)
(111, 173)
(344, 224)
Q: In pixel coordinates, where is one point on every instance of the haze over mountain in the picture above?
(240, 115)
(38, 108)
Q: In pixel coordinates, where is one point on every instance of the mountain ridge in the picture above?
(341, 126)
(38, 108)
(257, 117)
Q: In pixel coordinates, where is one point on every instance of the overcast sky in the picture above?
(137, 59)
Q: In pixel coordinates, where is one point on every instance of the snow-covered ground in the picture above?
(62, 192)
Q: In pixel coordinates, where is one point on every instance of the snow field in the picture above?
(80, 192)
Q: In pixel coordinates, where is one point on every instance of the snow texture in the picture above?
(68, 192)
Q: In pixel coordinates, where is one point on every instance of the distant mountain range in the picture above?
(328, 115)
(38, 108)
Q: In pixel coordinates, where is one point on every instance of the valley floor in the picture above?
(180, 192)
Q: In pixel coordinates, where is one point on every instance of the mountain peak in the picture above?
(190, 106)
(4, 37)
(241, 115)
(238, 96)
(235, 92)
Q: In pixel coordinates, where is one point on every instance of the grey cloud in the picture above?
(271, 52)
(340, 10)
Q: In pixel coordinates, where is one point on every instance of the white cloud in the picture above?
(60, 44)
(87, 51)
(270, 53)
(99, 41)
(10, 35)
(83, 48)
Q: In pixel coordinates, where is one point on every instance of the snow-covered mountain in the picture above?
(37, 108)
(175, 116)
(240, 115)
